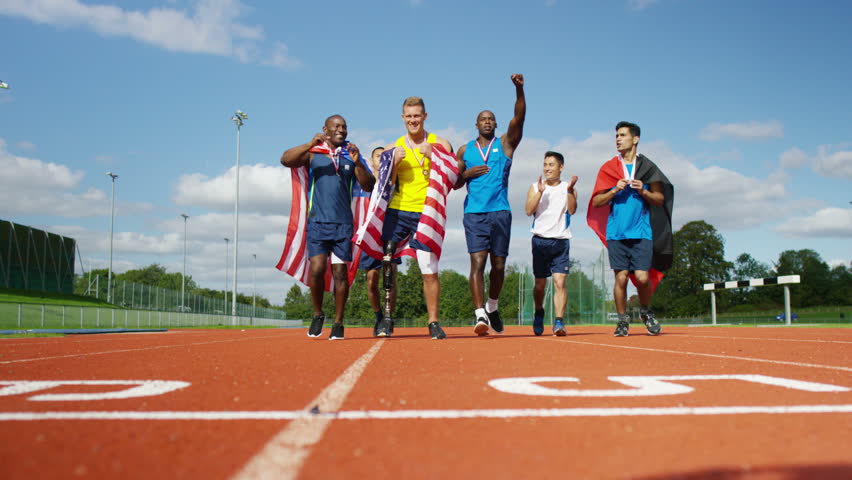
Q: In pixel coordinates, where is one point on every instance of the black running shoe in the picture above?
(436, 331)
(384, 328)
(336, 331)
(651, 322)
(316, 326)
(622, 326)
(496, 321)
(481, 327)
(376, 326)
(538, 322)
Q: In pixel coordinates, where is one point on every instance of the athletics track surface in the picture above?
(761, 403)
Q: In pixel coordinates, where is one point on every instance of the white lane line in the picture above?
(712, 355)
(157, 347)
(769, 339)
(283, 456)
(301, 439)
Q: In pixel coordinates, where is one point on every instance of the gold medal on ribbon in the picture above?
(426, 173)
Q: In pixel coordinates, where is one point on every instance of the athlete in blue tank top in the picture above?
(332, 165)
(484, 165)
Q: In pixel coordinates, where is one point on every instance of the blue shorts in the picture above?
(550, 255)
(400, 225)
(369, 263)
(325, 238)
(488, 231)
(633, 254)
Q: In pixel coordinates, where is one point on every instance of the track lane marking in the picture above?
(283, 456)
(843, 342)
(157, 347)
(498, 413)
(712, 355)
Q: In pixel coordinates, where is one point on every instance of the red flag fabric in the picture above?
(608, 176)
(430, 230)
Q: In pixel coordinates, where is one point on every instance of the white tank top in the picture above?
(551, 219)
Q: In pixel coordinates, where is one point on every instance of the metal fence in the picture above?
(146, 297)
(39, 316)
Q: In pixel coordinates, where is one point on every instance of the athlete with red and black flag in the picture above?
(631, 211)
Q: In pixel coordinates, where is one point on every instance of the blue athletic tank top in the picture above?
(490, 192)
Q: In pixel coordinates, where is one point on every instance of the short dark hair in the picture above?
(634, 129)
(558, 156)
(374, 150)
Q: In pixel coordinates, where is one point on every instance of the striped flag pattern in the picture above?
(294, 259)
(430, 230)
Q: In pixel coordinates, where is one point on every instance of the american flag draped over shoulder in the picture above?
(430, 230)
(294, 259)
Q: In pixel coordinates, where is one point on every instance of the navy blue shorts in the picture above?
(325, 238)
(633, 254)
(550, 255)
(488, 231)
(367, 262)
(400, 225)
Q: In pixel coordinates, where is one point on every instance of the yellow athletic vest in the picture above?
(411, 184)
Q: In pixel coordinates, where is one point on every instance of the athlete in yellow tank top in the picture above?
(413, 173)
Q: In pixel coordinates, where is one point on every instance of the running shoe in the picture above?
(538, 322)
(622, 326)
(558, 328)
(651, 322)
(376, 326)
(481, 327)
(384, 328)
(436, 331)
(316, 326)
(495, 321)
(336, 331)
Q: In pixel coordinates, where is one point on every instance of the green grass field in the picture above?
(14, 295)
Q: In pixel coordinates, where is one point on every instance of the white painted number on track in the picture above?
(140, 388)
(643, 386)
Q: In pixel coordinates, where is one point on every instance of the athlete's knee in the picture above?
(427, 261)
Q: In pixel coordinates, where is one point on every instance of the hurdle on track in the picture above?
(753, 282)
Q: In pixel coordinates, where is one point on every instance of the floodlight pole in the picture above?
(238, 118)
(226, 275)
(111, 222)
(254, 281)
(183, 276)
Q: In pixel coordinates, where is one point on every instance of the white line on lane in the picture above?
(283, 456)
(308, 419)
(712, 355)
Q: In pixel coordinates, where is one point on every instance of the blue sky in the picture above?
(744, 104)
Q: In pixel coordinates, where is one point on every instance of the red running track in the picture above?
(733, 403)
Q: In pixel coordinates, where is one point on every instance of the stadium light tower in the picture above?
(183, 277)
(111, 221)
(226, 274)
(238, 118)
(254, 281)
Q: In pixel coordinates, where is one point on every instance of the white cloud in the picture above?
(742, 131)
(211, 28)
(263, 189)
(828, 222)
(32, 186)
(833, 165)
(793, 158)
